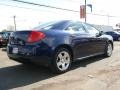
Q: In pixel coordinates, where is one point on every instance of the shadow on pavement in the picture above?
(85, 62)
(21, 75)
(4, 49)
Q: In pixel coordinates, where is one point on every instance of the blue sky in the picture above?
(33, 15)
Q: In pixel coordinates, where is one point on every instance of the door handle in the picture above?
(73, 35)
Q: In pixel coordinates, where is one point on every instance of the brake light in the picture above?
(35, 36)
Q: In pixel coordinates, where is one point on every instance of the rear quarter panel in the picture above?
(57, 38)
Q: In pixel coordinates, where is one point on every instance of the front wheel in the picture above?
(108, 50)
(62, 61)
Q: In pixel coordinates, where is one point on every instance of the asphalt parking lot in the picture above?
(96, 73)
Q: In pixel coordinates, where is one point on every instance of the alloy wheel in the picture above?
(63, 60)
(109, 50)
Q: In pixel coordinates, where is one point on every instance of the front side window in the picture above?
(90, 29)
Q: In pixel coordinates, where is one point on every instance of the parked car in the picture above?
(118, 31)
(57, 44)
(114, 34)
(3, 41)
(4, 38)
(0, 39)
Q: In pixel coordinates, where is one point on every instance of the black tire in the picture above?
(108, 50)
(58, 69)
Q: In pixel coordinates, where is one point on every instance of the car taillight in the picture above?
(35, 36)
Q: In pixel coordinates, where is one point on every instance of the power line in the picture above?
(50, 7)
(15, 6)
(75, 1)
(102, 15)
(45, 5)
(24, 7)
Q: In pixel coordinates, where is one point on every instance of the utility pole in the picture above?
(14, 17)
(108, 18)
(85, 11)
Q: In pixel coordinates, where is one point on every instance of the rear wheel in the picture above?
(108, 50)
(62, 61)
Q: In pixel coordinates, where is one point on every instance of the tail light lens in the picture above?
(35, 36)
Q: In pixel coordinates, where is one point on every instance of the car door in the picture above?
(97, 42)
(80, 40)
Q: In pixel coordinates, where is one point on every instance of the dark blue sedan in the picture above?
(57, 44)
(114, 34)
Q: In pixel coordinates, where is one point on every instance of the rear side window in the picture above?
(77, 26)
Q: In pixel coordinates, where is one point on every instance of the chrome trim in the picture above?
(88, 56)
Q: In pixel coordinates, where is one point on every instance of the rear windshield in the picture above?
(58, 25)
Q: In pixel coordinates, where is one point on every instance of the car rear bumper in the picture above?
(31, 54)
(41, 60)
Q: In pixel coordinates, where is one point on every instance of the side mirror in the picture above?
(101, 33)
(70, 28)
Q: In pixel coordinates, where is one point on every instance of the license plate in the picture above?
(15, 50)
